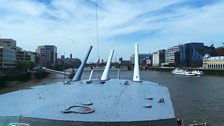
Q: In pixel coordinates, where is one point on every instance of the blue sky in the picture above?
(71, 24)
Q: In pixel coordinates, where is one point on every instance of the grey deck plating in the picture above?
(113, 101)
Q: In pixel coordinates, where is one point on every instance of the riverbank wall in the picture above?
(20, 76)
(9, 77)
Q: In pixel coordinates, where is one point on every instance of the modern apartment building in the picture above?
(191, 54)
(47, 55)
(144, 59)
(8, 43)
(172, 56)
(26, 56)
(7, 55)
(158, 58)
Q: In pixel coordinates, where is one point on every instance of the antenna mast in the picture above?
(97, 32)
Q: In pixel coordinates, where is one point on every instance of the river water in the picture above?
(194, 98)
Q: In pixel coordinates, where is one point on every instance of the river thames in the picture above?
(195, 98)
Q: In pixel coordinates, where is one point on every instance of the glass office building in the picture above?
(47, 55)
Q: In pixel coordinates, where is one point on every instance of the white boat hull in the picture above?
(183, 72)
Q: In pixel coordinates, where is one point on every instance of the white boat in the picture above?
(197, 72)
(199, 124)
(183, 72)
(103, 102)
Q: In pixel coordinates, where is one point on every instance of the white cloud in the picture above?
(71, 24)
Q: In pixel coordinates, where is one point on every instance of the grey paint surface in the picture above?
(113, 102)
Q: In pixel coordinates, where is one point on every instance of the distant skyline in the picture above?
(70, 25)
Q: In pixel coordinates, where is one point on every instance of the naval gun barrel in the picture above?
(136, 75)
(81, 67)
(107, 68)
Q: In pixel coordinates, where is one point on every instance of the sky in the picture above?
(72, 27)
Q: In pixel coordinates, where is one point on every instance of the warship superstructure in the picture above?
(91, 102)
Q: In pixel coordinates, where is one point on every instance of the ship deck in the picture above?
(113, 101)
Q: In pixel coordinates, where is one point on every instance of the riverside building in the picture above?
(216, 62)
(25, 56)
(172, 56)
(191, 54)
(144, 59)
(47, 55)
(158, 58)
(7, 55)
